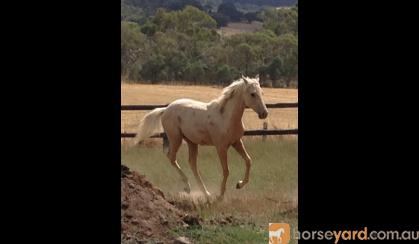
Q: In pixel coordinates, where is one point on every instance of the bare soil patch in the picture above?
(146, 215)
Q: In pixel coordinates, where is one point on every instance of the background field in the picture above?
(240, 27)
(164, 94)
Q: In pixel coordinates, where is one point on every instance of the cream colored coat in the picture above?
(217, 123)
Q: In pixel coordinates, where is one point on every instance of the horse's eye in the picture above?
(253, 94)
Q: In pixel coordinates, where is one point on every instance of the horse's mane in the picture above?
(234, 88)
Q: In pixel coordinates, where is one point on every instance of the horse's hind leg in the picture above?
(193, 154)
(175, 140)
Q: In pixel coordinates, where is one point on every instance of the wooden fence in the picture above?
(264, 132)
(150, 107)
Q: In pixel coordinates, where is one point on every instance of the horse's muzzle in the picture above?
(263, 115)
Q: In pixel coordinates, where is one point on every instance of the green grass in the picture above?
(225, 234)
(242, 232)
(270, 196)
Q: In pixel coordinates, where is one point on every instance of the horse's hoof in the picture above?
(239, 185)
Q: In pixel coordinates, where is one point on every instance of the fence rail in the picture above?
(246, 133)
(150, 107)
(263, 132)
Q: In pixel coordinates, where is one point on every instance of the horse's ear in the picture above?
(245, 80)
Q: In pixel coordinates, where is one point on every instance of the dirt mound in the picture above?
(146, 216)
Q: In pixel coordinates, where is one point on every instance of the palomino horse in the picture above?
(218, 123)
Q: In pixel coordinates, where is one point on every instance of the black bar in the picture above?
(246, 133)
(150, 107)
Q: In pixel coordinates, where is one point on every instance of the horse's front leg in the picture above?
(222, 154)
(242, 151)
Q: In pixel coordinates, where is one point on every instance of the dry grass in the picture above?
(164, 94)
(240, 27)
(272, 189)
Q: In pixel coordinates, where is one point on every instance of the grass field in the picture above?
(270, 196)
(164, 94)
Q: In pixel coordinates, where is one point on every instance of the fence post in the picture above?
(265, 127)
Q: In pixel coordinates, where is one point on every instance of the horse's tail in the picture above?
(149, 125)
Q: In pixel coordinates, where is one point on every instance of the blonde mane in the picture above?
(234, 88)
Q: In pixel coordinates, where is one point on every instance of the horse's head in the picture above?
(253, 97)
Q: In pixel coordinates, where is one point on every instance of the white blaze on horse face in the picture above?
(253, 99)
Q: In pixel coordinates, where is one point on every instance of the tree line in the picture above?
(185, 45)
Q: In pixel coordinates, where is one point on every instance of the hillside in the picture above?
(140, 10)
(200, 46)
(268, 2)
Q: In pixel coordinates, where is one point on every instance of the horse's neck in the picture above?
(234, 110)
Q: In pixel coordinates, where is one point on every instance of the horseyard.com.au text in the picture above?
(363, 234)
(281, 233)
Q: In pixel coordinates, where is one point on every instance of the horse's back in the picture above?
(190, 117)
(187, 103)
(184, 110)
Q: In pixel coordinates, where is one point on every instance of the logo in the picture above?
(279, 233)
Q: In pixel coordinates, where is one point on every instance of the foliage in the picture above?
(185, 45)
(133, 42)
(281, 21)
(221, 19)
(228, 9)
(251, 16)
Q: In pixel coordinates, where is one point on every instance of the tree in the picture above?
(274, 70)
(244, 57)
(251, 16)
(225, 74)
(281, 21)
(228, 9)
(190, 18)
(221, 19)
(149, 29)
(288, 48)
(263, 72)
(193, 17)
(154, 69)
(194, 71)
(132, 44)
(208, 7)
(177, 5)
(185, 45)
